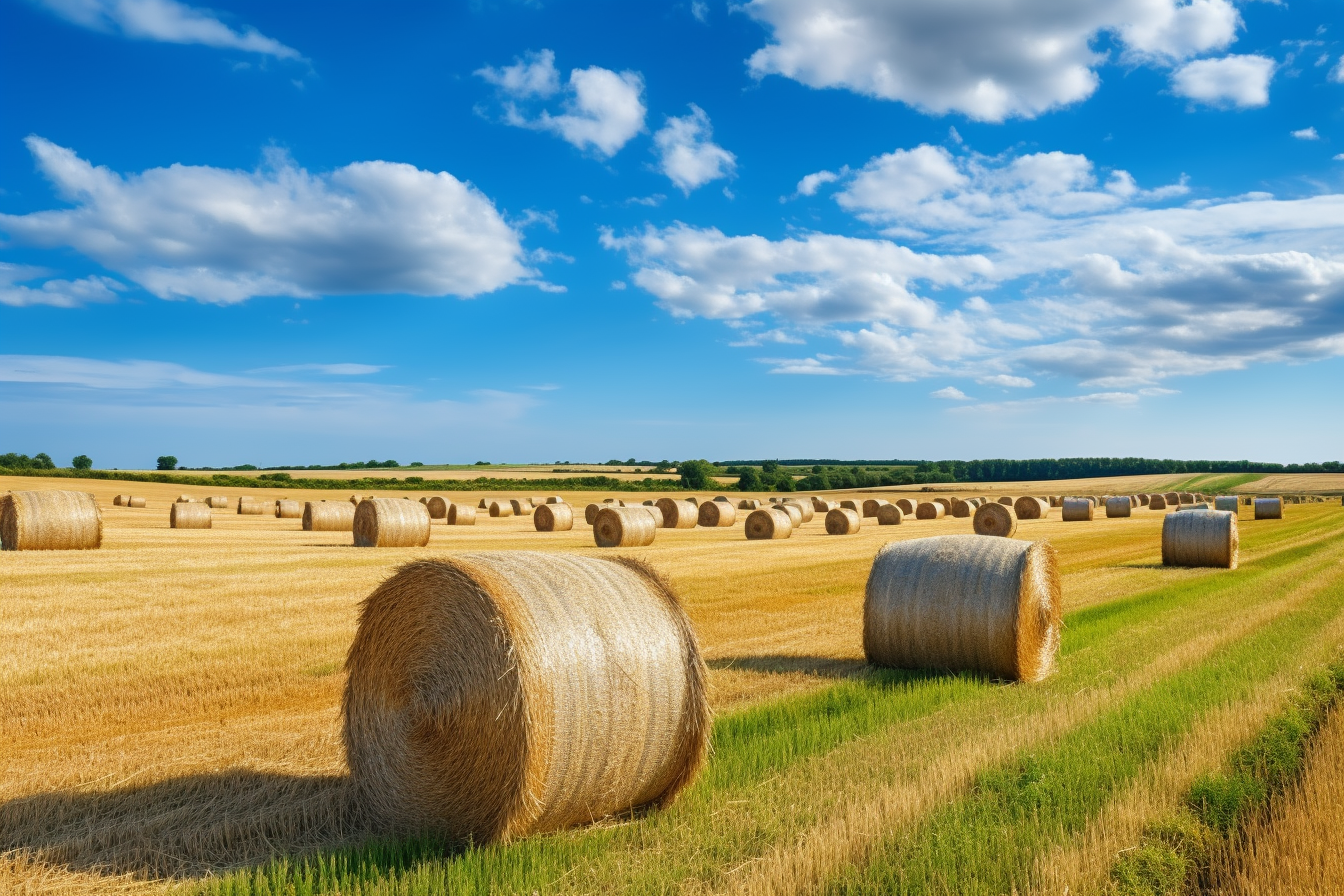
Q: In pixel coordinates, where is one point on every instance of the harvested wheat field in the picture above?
(170, 709)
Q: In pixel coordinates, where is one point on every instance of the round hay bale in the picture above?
(820, 506)
(1117, 506)
(679, 514)
(254, 506)
(889, 515)
(286, 509)
(995, 519)
(1145, 500)
(1007, 501)
(623, 527)
(946, 502)
(555, 499)
(437, 507)
(218, 502)
(962, 509)
(717, 514)
(794, 511)
(1077, 510)
(907, 505)
(1029, 508)
(843, 521)
(768, 523)
(1157, 502)
(1185, 498)
(1200, 538)
(50, 520)
(964, 602)
(805, 508)
(389, 523)
(656, 512)
(536, 500)
(1056, 500)
(776, 500)
(590, 513)
(521, 506)
(1173, 499)
(1269, 508)
(460, 515)
(720, 497)
(501, 508)
(931, 510)
(856, 506)
(354, 499)
(135, 501)
(190, 516)
(614, 502)
(1225, 502)
(553, 518)
(120, 500)
(328, 516)
(497, 695)
(870, 506)
(748, 504)
(483, 505)
(186, 499)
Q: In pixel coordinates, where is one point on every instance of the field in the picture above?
(169, 712)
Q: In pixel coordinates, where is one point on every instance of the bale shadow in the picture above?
(780, 664)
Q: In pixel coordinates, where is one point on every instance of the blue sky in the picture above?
(276, 233)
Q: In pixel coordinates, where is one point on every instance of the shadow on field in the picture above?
(822, 666)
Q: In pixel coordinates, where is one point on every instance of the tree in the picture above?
(43, 461)
(82, 462)
(167, 462)
(696, 473)
(770, 467)
(750, 481)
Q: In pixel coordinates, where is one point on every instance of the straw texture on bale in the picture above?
(656, 512)
(679, 514)
(1185, 497)
(945, 502)
(120, 500)
(962, 509)
(534, 500)
(219, 502)
(460, 515)
(768, 523)
(804, 507)
(1225, 502)
(931, 510)
(870, 506)
(555, 499)
(328, 516)
(254, 507)
(1269, 508)
(287, 509)
(1200, 538)
(794, 511)
(50, 520)
(889, 515)
(624, 527)
(964, 602)
(553, 517)
(135, 501)
(483, 505)
(748, 504)
(1146, 500)
(1076, 510)
(501, 508)
(843, 521)
(907, 505)
(389, 523)
(856, 506)
(1007, 501)
(498, 695)
(1173, 499)
(716, 514)
(1118, 506)
(1157, 502)
(820, 506)
(437, 507)
(995, 519)
(1029, 508)
(590, 513)
(189, 516)
(521, 506)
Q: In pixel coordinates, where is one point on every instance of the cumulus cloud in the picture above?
(687, 153)
(1337, 73)
(1006, 381)
(601, 110)
(1236, 81)
(809, 185)
(987, 59)
(167, 21)
(1307, 134)
(950, 393)
(219, 235)
(57, 293)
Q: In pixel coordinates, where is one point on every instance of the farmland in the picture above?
(169, 710)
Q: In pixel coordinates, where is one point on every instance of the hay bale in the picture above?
(190, 516)
(1077, 510)
(120, 500)
(135, 501)
(521, 506)
(483, 505)
(889, 515)
(501, 508)
(962, 509)
(656, 512)
(186, 499)
(553, 518)
(998, 520)
(1118, 506)
(768, 523)
(537, 500)
(254, 506)
(820, 506)
(856, 506)
(389, 523)
(1185, 498)
(1157, 502)
(1200, 538)
(355, 499)
(555, 499)
(614, 502)
(497, 695)
(437, 507)
(930, 510)
(964, 602)
(794, 511)
(870, 506)
(907, 505)
(460, 515)
(590, 513)
(804, 507)
(218, 502)
(328, 516)
(679, 514)
(1007, 501)
(50, 520)
(843, 521)
(1145, 500)
(946, 502)
(623, 527)
(1029, 508)
(721, 498)
(717, 514)
(1269, 508)
(286, 509)
(1225, 502)
(1056, 500)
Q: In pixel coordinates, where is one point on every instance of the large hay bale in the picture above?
(460, 515)
(501, 508)
(907, 505)
(995, 519)
(521, 506)
(287, 509)
(1200, 538)
(497, 695)
(120, 500)
(389, 523)
(1118, 506)
(843, 521)
(50, 520)
(536, 500)
(1269, 508)
(1157, 502)
(553, 517)
(961, 508)
(1225, 502)
(623, 527)
(889, 515)
(190, 516)
(437, 507)
(768, 523)
(794, 511)
(930, 510)
(1076, 510)
(679, 514)
(328, 516)
(870, 506)
(254, 506)
(135, 501)
(590, 513)
(656, 512)
(716, 514)
(964, 602)
(748, 504)
(1029, 508)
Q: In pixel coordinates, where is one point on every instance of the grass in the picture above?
(1215, 483)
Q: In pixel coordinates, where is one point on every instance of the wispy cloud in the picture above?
(167, 21)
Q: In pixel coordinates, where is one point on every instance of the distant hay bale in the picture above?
(657, 513)
(964, 602)
(617, 502)
(354, 499)
(962, 509)
(1077, 510)
(120, 500)
(1173, 499)
(501, 508)
(1200, 538)
(254, 506)
(1157, 502)
(521, 506)
(1029, 508)
(536, 500)
(768, 523)
(804, 507)
(820, 506)
(190, 516)
(907, 505)
(555, 499)
(590, 513)
(553, 518)
(995, 519)
(623, 527)
(497, 695)
(1185, 497)
(1225, 502)
(870, 506)
(889, 515)
(678, 513)
(1145, 500)
(856, 506)
(1118, 506)
(328, 516)
(794, 511)
(1133, 501)
(1269, 508)
(843, 521)
(721, 498)
(287, 509)
(1007, 501)
(946, 502)
(218, 502)
(1056, 500)
(1200, 506)
(50, 520)
(483, 505)
(648, 503)
(717, 514)
(776, 500)
(135, 501)
(389, 523)
(460, 515)
(437, 507)
(930, 510)
(186, 499)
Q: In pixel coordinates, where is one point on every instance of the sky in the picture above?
(307, 233)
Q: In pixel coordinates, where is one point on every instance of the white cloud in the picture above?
(346, 369)
(1337, 73)
(987, 59)
(223, 236)
(950, 393)
(809, 185)
(1006, 381)
(92, 373)
(700, 9)
(803, 367)
(1240, 81)
(687, 153)
(167, 21)
(602, 109)
(1307, 134)
(57, 293)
